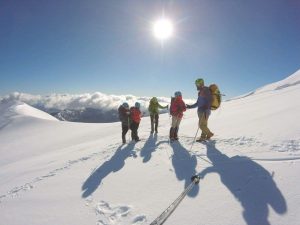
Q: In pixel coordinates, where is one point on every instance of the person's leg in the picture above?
(124, 132)
(200, 125)
(206, 133)
(156, 122)
(152, 123)
(177, 128)
(173, 127)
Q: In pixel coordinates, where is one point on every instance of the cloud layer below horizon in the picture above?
(95, 100)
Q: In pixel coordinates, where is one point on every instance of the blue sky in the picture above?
(72, 46)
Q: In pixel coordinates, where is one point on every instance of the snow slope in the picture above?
(55, 172)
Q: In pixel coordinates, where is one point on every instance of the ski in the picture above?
(165, 214)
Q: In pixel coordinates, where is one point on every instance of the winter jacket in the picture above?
(123, 114)
(135, 114)
(154, 106)
(178, 107)
(203, 101)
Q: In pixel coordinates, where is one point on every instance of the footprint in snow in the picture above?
(120, 214)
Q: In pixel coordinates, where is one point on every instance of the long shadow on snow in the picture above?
(185, 166)
(116, 162)
(251, 184)
(149, 147)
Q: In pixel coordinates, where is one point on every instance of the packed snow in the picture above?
(55, 172)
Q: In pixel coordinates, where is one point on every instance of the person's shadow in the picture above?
(185, 166)
(251, 184)
(116, 162)
(149, 147)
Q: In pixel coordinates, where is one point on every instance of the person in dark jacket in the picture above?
(153, 109)
(135, 115)
(204, 104)
(124, 116)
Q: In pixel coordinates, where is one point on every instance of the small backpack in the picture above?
(173, 107)
(216, 96)
(135, 114)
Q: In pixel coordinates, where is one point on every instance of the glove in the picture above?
(188, 106)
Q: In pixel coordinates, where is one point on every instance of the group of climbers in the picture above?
(131, 117)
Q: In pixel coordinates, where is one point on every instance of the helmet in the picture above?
(125, 105)
(177, 93)
(137, 105)
(199, 82)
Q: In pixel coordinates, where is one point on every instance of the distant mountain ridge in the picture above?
(87, 115)
(102, 108)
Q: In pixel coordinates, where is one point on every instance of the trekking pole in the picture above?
(194, 139)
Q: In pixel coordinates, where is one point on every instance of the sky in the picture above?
(74, 47)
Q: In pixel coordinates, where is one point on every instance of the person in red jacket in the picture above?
(135, 115)
(176, 110)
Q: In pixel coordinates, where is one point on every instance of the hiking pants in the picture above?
(175, 121)
(134, 130)
(203, 119)
(154, 120)
(125, 129)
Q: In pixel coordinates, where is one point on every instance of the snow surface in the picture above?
(55, 172)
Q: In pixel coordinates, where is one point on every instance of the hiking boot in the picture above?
(209, 136)
(201, 139)
(176, 134)
(172, 133)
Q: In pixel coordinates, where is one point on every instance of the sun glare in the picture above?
(163, 29)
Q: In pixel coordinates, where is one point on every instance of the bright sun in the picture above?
(163, 29)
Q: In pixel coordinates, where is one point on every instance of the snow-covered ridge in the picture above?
(9, 109)
(290, 81)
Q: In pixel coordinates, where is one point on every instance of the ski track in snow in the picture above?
(16, 191)
(290, 146)
(287, 146)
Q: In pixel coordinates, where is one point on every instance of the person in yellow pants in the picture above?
(204, 104)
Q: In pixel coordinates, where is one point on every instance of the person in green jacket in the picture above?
(153, 109)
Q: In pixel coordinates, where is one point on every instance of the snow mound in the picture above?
(292, 80)
(11, 109)
(288, 82)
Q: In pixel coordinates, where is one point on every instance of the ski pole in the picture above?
(161, 219)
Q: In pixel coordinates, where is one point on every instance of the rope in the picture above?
(194, 139)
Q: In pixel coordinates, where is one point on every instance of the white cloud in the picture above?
(95, 100)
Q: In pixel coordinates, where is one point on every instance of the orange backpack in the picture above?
(216, 96)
